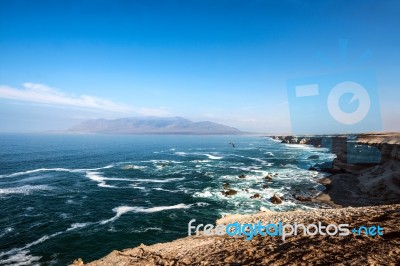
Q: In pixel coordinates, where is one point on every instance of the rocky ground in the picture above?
(268, 250)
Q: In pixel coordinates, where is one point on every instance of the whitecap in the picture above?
(19, 258)
(213, 157)
(203, 194)
(27, 189)
(167, 190)
(36, 171)
(77, 225)
(146, 229)
(124, 209)
(56, 170)
(159, 180)
(96, 176)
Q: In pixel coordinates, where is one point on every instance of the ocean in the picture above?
(64, 197)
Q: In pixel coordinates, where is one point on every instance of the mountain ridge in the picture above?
(152, 125)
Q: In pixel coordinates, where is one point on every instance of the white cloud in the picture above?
(40, 93)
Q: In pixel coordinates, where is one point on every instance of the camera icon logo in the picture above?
(359, 93)
(340, 103)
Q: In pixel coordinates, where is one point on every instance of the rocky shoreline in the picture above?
(367, 185)
(268, 250)
(356, 179)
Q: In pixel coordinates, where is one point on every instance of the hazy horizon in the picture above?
(65, 62)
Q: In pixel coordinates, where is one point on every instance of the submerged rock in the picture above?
(313, 157)
(256, 196)
(229, 192)
(265, 186)
(242, 176)
(226, 185)
(275, 199)
(268, 177)
(302, 198)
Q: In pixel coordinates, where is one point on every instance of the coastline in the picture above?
(358, 183)
(359, 193)
(267, 250)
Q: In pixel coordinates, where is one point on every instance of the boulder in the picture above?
(256, 196)
(229, 192)
(275, 199)
(302, 198)
(268, 177)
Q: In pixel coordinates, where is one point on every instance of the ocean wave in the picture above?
(125, 209)
(144, 230)
(57, 170)
(36, 171)
(20, 256)
(167, 190)
(159, 180)
(78, 225)
(133, 167)
(96, 176)
(27, 189)
(203, 194)
(213, 157)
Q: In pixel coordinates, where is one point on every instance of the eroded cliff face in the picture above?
(353, 151)
(366, 170)
(388, 144)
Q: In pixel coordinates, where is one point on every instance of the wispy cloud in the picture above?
(40, 93)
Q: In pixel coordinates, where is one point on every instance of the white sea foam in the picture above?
(202, 204)
(78, 225)
(133, 167)
(146, 229)
(159, 180)
(180, 153)
(36, 171)
(19, 258)
(203, 194)
(124, 209)
(138, 187)
(213, 157)
(57, 170)
(162, 189)
(96, 176)
(27, 189)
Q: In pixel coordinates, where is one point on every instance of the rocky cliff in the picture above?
(366, 170)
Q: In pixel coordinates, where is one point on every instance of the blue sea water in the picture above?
(64, 197)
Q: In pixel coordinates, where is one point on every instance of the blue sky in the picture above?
(225, 61)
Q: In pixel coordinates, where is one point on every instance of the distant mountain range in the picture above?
(152, 125)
